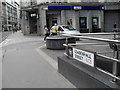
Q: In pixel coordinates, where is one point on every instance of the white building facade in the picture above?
(85, 15)
(9, 15)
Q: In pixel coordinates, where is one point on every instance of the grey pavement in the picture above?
(25, 65)
(28, 64)
(4, 35)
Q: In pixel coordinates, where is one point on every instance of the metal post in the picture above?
(67, 45)
(115, 52)
(115, 63)
(114, 36)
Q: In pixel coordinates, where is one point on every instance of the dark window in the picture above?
(54, 21)
(69, 27)
(83, 22)
(60, 29)
(95, 22)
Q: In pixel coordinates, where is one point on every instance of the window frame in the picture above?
(97, 23)
(85, 21)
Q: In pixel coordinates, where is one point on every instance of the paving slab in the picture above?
(24, 67)
(28, 64)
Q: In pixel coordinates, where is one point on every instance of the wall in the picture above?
(89, 0)
(71, 15)
(111, 17)
(74, 15)
(24, 3)
(89, 14)
(54, 14)
(111, 0)
(27, 2)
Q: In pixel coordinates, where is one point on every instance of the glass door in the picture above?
(95, 22)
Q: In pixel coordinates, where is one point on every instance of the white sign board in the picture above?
(77, 7)
(83, 56)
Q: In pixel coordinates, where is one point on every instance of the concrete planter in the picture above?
(56, 42)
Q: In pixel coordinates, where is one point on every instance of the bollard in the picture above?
(114, 36)
(116, 56)
(115, 64)
(67, 45)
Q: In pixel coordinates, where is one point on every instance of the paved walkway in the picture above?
(26, 66)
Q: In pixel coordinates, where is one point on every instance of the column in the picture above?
(23, 22)
(42, 20)
(24, 26)
(90, 21)
(77, 15)
(102, 22)
(63, 18)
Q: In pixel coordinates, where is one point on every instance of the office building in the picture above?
(87, 16)
(9, 15)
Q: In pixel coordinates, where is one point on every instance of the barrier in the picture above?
(80, 63)
(56, 42)
(115, 50)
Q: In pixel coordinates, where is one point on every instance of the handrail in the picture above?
(116, 55)
(113, 59)
(92, 38)
(74, 44)
(108, 73)
(99, 69)
(111, 33)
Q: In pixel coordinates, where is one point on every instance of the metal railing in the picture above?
(115, 60)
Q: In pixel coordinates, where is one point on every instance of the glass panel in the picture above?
(95, 22)
(69, 27)
(83, 23)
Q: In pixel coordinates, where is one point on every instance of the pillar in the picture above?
(63, 17)
(77, 15)
(90, 21)
(23, 23)
(102, 22)
(42, 20)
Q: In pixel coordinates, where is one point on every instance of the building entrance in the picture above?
(33, 22)
(52, 18)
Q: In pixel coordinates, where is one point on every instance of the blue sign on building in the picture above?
(92, 8)
(75, 8)
(59, 8)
